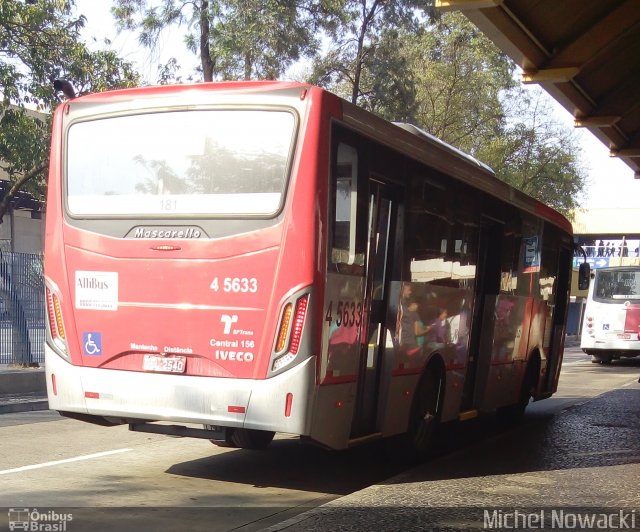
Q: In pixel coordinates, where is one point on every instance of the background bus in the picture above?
(611, 323)
(265, 257)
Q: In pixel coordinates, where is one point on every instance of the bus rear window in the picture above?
(206, 162)
(614, 285)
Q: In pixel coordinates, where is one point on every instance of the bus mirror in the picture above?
(584, 274)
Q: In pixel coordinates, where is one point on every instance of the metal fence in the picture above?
(22, 309)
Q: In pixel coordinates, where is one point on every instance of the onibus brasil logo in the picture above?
(38, 521)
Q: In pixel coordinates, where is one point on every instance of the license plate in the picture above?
(170, 364)
(624, 336)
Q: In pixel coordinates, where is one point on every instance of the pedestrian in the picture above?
(412, 330)
(624, 250)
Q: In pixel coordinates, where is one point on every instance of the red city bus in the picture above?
(265, 257)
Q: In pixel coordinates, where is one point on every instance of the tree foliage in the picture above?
(358, 58)
(536, 154)
(40, 42)
(442, 74)
(466, 95)
(459, 77)
(397, 58)
(235, 39)
(150, 19)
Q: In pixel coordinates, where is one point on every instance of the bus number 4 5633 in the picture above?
(348, 313)
(235, 284)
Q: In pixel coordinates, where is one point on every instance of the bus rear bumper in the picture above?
(129, 396)
(622, 346)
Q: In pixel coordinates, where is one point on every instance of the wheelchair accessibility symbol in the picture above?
(92, 343)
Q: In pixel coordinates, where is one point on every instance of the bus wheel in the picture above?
(426, 411)
(601, 359)
(252, 439)
(227, 442)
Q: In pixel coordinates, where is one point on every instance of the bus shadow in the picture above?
(624, 362)
(291, 464)
(571, 439)
(598, 433)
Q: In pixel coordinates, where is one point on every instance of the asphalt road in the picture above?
(113, 479)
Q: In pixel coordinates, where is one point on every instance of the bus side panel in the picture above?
(402, 392)
(506, 332)
(396, 414)
(326, 108)
(55, 271)
(454, 389)
(333, 413)
(452, 349)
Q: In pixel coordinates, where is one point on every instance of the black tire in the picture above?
(252, 439)
(601, 359)
(426, 411)
(223, 443)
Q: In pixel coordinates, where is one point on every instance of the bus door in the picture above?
(487, 287)
(560, 300)
(381, 231)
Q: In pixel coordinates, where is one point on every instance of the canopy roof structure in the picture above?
(584, 53)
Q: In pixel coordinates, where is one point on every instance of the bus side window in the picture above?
(345, 255)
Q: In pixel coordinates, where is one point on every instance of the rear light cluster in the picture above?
(290, 332)
(590, 329)
(56, 325)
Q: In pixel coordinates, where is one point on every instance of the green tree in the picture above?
(235, 39)
(40, 42)
(459, 78)
(260, 39)
(358, 59)
(465, 94)
(535, 153)
(150, 19)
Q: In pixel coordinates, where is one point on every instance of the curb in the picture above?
(23, 381)
(23, 406)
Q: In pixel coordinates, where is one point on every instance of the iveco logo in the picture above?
(166, 232)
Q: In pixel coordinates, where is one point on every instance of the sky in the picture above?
(610, 182)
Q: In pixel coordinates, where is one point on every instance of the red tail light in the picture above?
(298, 323)
(291, 327)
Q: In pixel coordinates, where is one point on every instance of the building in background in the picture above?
(22, 229)
(610, 237)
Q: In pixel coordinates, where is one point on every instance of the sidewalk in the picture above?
(554, 472)
(22, 389)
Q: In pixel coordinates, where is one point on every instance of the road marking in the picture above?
(65, 461)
